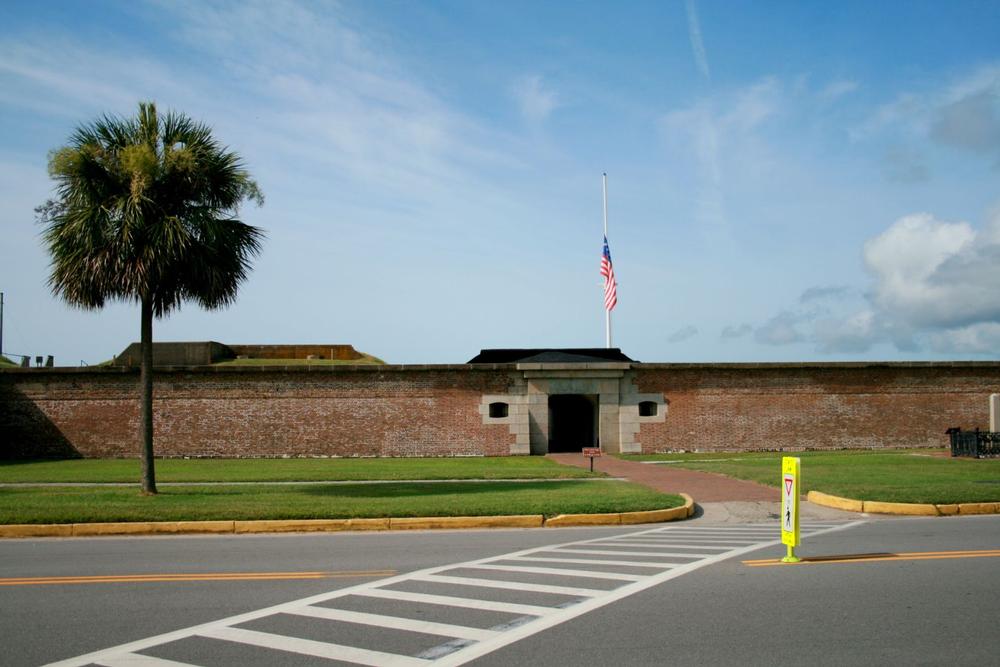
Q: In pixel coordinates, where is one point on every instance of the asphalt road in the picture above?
(710, 609)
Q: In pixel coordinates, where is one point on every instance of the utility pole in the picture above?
(1, 324)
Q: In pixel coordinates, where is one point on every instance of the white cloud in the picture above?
(533, 98)
(934, 284)
(856, 333)
(981, 338)
(937, 274)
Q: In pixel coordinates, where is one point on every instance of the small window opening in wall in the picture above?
(498, 410)
(647, 409)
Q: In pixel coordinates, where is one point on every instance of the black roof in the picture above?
(563, 355)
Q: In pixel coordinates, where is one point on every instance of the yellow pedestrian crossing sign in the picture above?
(791, 478)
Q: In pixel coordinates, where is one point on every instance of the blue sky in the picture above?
(787, 180)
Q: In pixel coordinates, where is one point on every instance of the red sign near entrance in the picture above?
(788, 486)
(591, 452)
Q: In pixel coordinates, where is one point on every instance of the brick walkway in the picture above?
(702, 486)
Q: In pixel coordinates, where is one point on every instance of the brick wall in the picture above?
(726, 407)
(435, 410)
(319, 411)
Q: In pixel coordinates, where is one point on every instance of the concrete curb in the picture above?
(624, 518)
(905, 509)
(336, 525)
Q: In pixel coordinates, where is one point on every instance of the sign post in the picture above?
(791, 477)
(591, 452)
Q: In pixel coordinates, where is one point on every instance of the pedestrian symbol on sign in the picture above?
(790, 467)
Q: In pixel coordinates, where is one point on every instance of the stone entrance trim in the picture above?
(613, 384)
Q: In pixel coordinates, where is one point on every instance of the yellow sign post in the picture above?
(791, 477)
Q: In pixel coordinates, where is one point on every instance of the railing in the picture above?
(977, 444)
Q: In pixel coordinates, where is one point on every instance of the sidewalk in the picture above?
(718, 498)
(702, 486)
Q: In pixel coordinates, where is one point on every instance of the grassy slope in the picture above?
(911, 477)
(366, 359)
(289, 470)
(87, 504)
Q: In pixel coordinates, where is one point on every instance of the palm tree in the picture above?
(145, 211)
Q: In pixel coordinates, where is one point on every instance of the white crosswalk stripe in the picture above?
(557, 575)
(452, 601)
(594, 561)
(510, 585)
(139, 660)
(396, 623)
(560, 571)
(316, 649)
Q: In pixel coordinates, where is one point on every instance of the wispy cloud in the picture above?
(971, 123)
(719, 132)
(904, 164)
(837, 89)
(697, 44)
(535, 100)
(963, 114)
(782, 329)
(822, 293)
(736, 331)
(683, 334)
(305, 90)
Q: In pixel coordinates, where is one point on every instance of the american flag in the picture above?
(608, 271)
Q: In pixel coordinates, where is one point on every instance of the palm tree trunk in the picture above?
(146, 382)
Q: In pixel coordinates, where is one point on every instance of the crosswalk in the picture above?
(452, 614)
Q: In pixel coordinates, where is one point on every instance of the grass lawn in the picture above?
(97, 504)
(290, 470)
(895, 476)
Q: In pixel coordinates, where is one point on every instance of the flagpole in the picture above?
(607, 313)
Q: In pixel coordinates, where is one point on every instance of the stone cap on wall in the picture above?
(480, 367)
(766, 365)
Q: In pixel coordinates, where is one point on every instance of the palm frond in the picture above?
(146, 207)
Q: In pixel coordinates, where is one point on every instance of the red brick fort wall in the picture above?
(727, 407)
(369, 411)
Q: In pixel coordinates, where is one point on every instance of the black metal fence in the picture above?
(978, 444)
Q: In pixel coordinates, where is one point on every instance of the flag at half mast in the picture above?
(608, 271)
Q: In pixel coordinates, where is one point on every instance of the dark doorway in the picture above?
(572, 422)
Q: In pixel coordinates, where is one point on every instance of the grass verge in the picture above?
(198, 503)
(365, 359)
(898, 476)
(290, 470)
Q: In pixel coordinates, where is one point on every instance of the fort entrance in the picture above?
(573, 422)
(562, 400)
